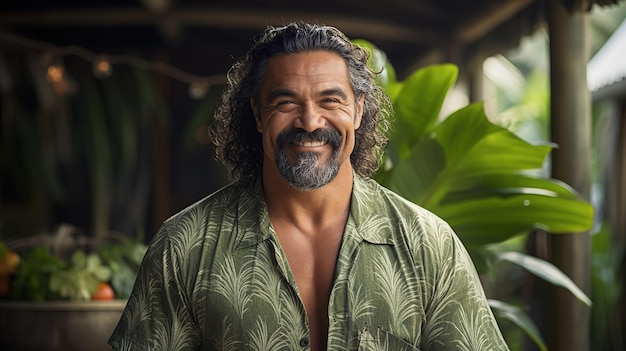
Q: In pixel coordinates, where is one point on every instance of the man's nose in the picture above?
(310, 118)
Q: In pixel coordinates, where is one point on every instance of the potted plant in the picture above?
(66, 290)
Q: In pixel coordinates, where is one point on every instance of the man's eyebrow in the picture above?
(280, 92)
(335, 91)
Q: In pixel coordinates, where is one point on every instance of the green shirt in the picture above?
(216, 278)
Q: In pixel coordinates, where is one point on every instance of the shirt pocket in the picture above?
(374, 339)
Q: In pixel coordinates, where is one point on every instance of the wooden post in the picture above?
(571, 129)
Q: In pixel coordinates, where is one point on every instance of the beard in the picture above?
(308, 172)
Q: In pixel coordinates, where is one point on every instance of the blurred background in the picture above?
(105, 106)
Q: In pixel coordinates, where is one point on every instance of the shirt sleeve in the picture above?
(157, 315)
(458, 316)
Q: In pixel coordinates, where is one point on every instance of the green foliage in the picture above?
(547, 271)
(79, 281)
(124, 261)
(46, 275)
(606, 288)
(86, 153)
(520, 318)
(33, 273)
(476, 175)
(479, 177)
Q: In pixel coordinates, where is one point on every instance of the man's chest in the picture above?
(255, 297)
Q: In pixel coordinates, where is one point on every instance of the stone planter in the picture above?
(58, 325)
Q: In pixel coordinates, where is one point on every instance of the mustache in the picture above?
(298, 135)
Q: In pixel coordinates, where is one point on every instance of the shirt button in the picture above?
(304, 342)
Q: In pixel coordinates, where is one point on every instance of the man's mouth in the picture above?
(312, 143)
(317, 138)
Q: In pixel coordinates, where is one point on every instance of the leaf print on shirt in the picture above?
(261, 340)
(175, 332)
(472, 335)
(268, 281)
(395, 291)
(291, 319)
(373, 339)
(234, 285)
(189, 237)
(225, 339)
(361, 305)
(148, 287)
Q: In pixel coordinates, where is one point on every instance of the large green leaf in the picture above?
(486, 220)
(475, 175)
(417, 105)
(520, 318)
(385, 73)
(473, 143)
(422, 96)
(414, 176)
(546, 271)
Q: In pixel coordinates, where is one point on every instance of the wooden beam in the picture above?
(492, 15)
(219, 18)
(570, 128)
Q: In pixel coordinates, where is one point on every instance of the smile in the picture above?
(314, 143)
(302, 139)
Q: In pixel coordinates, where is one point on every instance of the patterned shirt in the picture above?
(216, 278)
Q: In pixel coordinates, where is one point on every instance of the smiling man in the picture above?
(307, 114)
(303, 251)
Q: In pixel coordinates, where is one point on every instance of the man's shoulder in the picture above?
(226, 199)
(374, 200)
(375, 196)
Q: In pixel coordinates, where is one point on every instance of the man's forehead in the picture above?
(325, 69)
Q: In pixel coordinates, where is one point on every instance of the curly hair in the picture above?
(233, 131)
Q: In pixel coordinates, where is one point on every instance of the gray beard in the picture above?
(307, 173)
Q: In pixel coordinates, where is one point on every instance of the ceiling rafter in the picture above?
(490, 17)
(374, 28)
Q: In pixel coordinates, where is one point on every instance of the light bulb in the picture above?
(55, 73)
(102, 67)
(198, 90)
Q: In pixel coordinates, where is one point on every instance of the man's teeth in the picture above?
(312, 143)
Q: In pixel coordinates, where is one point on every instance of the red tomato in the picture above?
(104, 292)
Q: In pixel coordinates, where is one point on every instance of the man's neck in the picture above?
(310, 210)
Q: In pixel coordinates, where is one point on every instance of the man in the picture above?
(303, 251)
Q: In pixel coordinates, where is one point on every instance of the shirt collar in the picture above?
(253, 221)
(365, 212)
(364, 221)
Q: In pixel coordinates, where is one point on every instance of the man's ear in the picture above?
(257, 115)
(359, 112)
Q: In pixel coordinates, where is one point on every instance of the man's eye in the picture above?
(329, 102)
(286, 105)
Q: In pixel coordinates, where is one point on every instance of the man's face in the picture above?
(307, 114)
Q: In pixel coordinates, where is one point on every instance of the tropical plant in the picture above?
(70, 266)
(80, 154)
(479, 177)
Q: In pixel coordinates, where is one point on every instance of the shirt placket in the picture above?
(287, 275)
(338, 304)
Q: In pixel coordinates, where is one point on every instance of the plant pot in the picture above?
(58, 325)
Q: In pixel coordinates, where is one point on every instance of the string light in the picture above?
(198, 90)
(55, 73)
(102, 66)
(62, 83)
